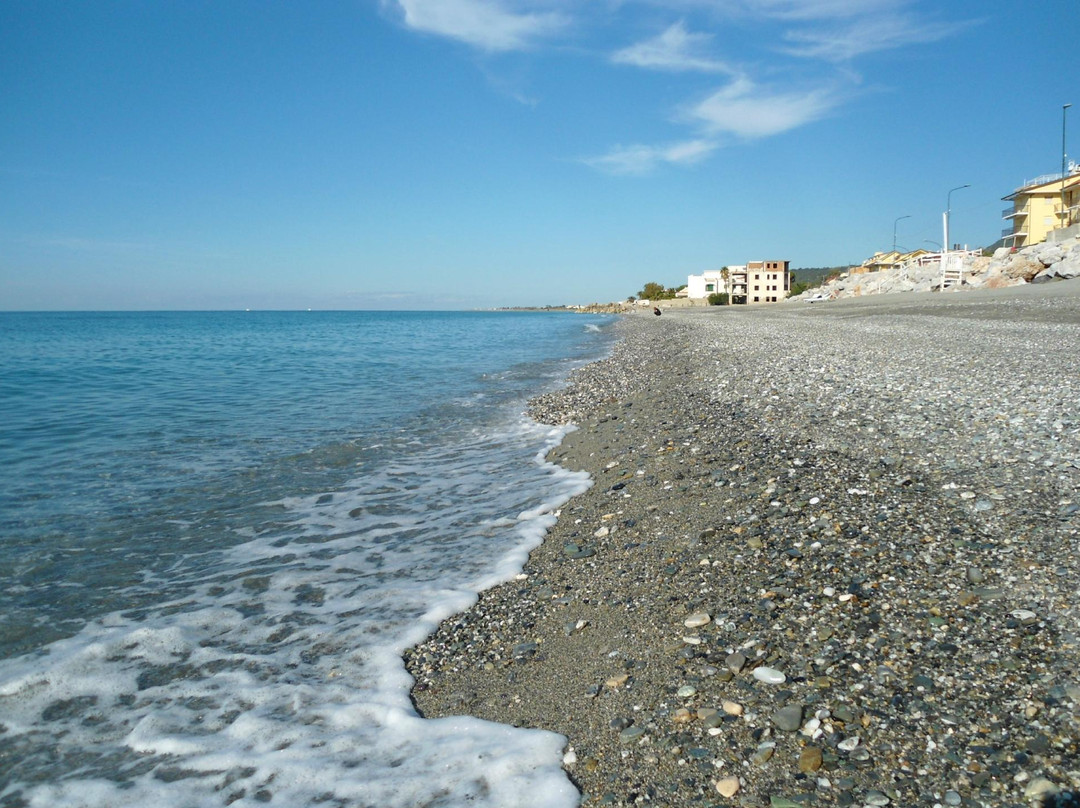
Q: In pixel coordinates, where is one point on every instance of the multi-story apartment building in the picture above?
(755, 282)
(1041, 206)
(760, 282)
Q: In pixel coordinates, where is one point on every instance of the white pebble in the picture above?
(770, 676)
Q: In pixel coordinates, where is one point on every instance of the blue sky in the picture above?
(473, 153)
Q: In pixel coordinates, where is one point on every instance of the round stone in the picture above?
(727, 786)
(770, 676)
(809, 759)
(848, 744)
(788, 718)
(697, 619)
(731, 707)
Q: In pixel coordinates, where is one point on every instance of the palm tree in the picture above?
(725, 273)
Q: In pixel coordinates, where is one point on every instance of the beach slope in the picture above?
(829, 558)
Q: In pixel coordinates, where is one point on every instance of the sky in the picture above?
(448, 154)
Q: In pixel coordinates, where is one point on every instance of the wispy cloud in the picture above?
(748, 111)
(676, 49)
(788, 34)
(641, 159)
(866, 35)
(485, 24)
(820, 9)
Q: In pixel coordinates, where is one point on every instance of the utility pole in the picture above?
(945, 251)
(1064, 210)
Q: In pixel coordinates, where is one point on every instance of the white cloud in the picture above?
(821, 9)
(866, 35)
(742, 109)
(485, 24)
(675, 49)
(641, 159)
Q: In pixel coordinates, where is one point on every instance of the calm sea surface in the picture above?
(218, 531)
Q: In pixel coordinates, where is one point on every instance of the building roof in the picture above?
(1047, 183)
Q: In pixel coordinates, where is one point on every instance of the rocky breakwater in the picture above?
(829, 558)
(1040, 263)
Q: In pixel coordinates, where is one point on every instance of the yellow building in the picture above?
(882, 261)
(1037, 208)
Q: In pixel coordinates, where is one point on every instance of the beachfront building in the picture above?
(881, 261)
(755, 282)
(760, 282)
(709, 282)
(1041, 206)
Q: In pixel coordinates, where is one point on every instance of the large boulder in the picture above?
(1063, 270)
(1049, 254)
(1023, 266)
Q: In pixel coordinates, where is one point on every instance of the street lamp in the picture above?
(945, 251)
(898, 218)
(1064, 212)
(948, 211)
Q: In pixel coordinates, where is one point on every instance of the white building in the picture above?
(711, 281)
(756, 282)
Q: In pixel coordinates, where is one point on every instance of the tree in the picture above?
(725, 273)
(652, 291)
(718, 299)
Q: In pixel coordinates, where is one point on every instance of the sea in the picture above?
(220, 530)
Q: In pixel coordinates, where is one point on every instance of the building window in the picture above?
(756, 298)
(756, 287)
(710, 287)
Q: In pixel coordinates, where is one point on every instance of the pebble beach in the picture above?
(829, 557)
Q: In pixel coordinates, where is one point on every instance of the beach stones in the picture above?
(770, 676)
(789, 718)
(727, 786)
(731, 707)
(914, 652)
(697, 620)
(809, 759)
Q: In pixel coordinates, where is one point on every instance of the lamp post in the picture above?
(898, 218)
(948, 211)
(945, 250)
(1064, 210)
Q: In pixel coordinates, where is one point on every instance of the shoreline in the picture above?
(871, 498)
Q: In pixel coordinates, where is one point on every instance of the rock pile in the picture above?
(1040, 263)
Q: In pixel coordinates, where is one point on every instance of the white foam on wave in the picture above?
(281, 677)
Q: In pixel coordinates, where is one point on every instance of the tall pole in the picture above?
(948, 211)
(948, 214)
(1064, 210)
(894, 230)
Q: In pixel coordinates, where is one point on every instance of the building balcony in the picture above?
(1011, 213)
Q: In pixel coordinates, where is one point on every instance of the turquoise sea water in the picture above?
(219, 530)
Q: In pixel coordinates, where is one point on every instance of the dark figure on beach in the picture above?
(656, 310)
